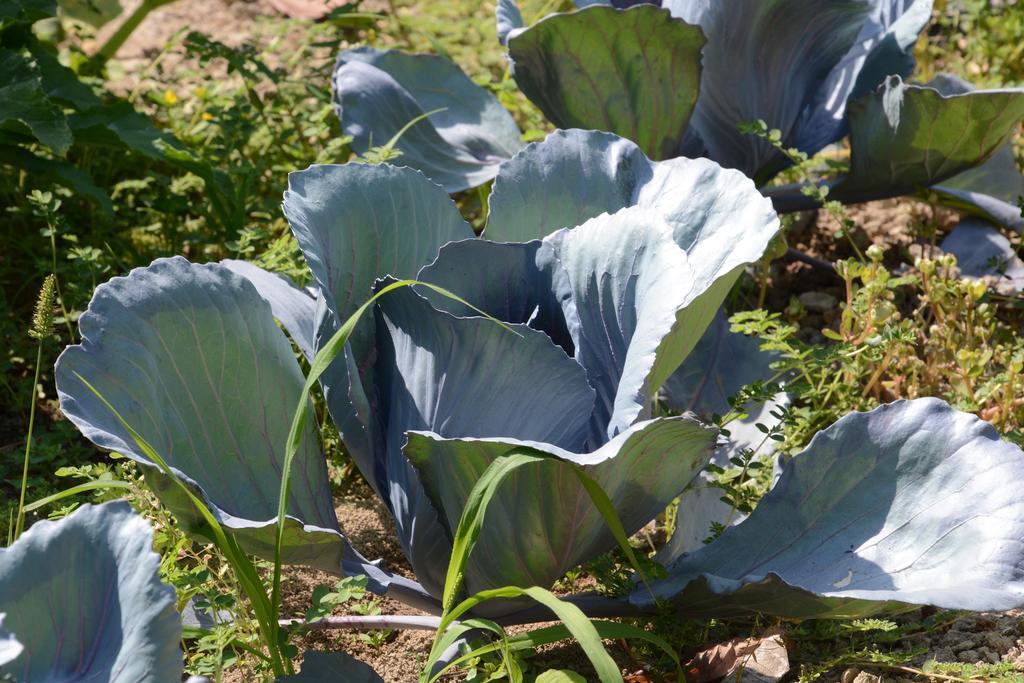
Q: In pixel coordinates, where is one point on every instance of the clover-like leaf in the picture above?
(84, 596)
(466, 133)
(191, 359)
(541, 522)
(635, 73)
(871, 517)
(907, 137)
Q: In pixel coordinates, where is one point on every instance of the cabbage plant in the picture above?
(428, 394)
(81, 599)
(682, 77)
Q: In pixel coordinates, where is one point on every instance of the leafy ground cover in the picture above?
(252, 101)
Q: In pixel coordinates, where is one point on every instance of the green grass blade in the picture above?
(248, 577)
(604, 505)
(321, 361)
(576, 623)
(472, 519)
(75, 490)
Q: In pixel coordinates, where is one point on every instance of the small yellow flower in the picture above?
(207, 116)
(170, 97)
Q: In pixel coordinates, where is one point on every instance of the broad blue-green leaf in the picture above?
(332, 667)
(515, 283)
(189, 355)
(883, 47)
(872, 516)
(632, 72)
(24, 104)
(294, 308)
(10, 648)
(628, 280)
(464, 377)
(907, 137)
(983, 252)
(640, 317)
(84, 596)
(766, 59)
(351, 236)
(715, 215)
(541, 521)
(991, 190)
(509, 19)
(378, 92)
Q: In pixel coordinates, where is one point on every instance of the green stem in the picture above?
(19, 525)
(122, 33)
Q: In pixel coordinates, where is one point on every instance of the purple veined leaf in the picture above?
(190, 357)
(907, 137)
(627, 309)
(982, 252)
(466, 133)
(991, 190)
(632, 72)
(332, 667)
(541, 522)
(691, 225)
(914, 488)
(84, 596)
(294, 308)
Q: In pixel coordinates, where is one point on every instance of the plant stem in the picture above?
(127, 27)
(19, 524)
